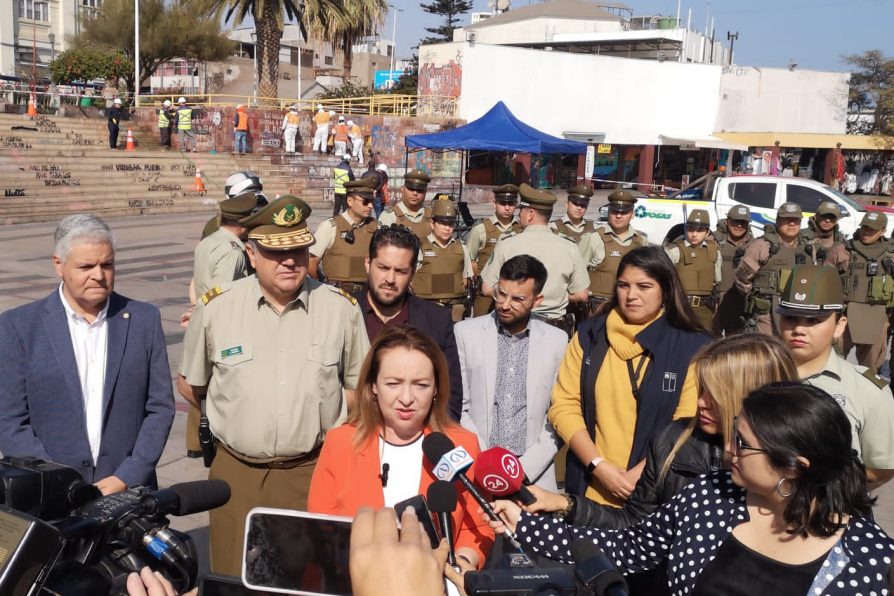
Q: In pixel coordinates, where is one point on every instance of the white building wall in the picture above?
(777, 99)
(534, 30)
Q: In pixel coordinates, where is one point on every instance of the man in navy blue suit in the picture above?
(84, 376)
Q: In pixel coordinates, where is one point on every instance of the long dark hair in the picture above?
(793, 419)
(657, 265)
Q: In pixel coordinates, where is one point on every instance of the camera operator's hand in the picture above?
(149, 583)
(508, 511)
(383, 563)
(547, 501)
(110, 485)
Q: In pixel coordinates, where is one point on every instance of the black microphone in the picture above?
(384, 475)
(441, 452)
(594, 571)
(187, 498)
(441, 498)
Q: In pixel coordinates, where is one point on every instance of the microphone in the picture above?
(594, 571)
(441, 497)
(186, 498)
(384, 475)
(450, 463)
(500, 472)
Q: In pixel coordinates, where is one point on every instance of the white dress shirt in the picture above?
(90, 342)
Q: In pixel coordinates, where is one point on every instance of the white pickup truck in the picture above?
(663, 218)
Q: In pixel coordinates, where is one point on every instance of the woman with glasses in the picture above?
(790, 517)
(625, 376)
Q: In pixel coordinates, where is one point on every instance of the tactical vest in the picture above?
(772, 276)
(563, 229)
(728, 253)
(344, 261)
(340, 176)
(696, 267)
(602, 278)
(441, 273)
(859, 285)
(184, 119)
(163, 120)
(421, 228)
(492, 235)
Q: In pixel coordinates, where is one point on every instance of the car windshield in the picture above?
(847, 200)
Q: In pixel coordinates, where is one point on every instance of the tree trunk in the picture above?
(269, 36)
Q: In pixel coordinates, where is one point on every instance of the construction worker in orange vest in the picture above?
(290, 128)
(240, 127)
(321, 134)
(341, 138)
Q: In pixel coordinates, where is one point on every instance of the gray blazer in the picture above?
(41, 406)
(476, 342)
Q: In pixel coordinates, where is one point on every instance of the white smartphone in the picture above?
(296, 552)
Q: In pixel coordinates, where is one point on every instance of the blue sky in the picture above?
(813, 33)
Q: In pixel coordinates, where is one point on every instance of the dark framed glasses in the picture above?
(739, 443)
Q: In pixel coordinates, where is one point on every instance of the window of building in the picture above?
(91, 3)
(328, 60)
(34, 9)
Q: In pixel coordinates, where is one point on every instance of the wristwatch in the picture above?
(591, 467)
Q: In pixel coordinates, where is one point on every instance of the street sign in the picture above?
(604, 149)
(590, 162)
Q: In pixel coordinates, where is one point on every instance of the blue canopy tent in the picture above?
(497, 130)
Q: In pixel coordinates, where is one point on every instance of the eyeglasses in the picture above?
(740, 444)
(500, 297)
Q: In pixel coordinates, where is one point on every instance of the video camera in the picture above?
(61, 536)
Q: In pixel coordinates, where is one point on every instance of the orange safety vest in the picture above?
(341, 132)
(243, 121)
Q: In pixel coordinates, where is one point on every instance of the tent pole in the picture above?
(406, 158)
(462, 172)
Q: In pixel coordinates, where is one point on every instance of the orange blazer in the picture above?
(346, 480)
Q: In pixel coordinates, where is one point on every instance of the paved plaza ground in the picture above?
(154, 264)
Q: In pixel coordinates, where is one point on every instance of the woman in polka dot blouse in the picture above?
(789, 518)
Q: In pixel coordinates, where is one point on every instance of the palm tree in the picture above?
(343, 23)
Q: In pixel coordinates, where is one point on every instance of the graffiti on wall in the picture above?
(443, 80)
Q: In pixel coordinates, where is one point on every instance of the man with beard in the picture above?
(509, 364)
(393, 254)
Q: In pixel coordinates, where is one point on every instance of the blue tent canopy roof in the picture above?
(497, 130)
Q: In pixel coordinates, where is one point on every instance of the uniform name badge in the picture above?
(234, 351)
(429, 253)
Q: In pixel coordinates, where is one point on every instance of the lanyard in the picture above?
(634, 375)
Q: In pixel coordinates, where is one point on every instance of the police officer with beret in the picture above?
(343, 241)
(732, 235)
(276, 357)
(484, 235)
(811, 319)
(572, 225)
(697, 259)
(410, 210)
(767, 264)
(866, 265)
(444, 265)
(567, 280)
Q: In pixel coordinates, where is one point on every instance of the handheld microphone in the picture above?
(500, 472)
(594, 571)
(441, 497)
(450, 463)
(186, 498)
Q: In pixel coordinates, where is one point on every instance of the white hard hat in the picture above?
(341, 118)
(382, 168)
(239, 105)
(350, 123)
(181, 100)
(319, 106)
(117, 101)
(293, 107)
(240, 182)
(166, 103)
(332, 112)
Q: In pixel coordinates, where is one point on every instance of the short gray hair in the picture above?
(83, 227)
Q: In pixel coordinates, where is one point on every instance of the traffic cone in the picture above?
(32, 105)
(200, 184)
(130, 145)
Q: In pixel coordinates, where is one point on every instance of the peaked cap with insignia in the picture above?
(281, 225)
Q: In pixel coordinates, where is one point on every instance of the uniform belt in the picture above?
(704, 301)
(274, 463)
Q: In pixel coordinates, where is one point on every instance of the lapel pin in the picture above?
(126, 315)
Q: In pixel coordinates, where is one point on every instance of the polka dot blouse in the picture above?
(687, 531)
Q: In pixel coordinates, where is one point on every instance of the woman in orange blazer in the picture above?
(402, 395)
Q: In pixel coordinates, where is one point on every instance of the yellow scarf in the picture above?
(621, 334)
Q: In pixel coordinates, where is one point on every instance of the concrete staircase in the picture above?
(53, 166)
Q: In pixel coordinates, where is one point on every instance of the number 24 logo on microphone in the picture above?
(510, 465)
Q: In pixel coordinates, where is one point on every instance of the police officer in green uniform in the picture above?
(697, 259)
(822, 229)
(732, 235)
(276, 356)
(603, 250)
(567, 280)
(484, 235)
(410, 210)
(866, 266)
(766, 265)
(572, 225)
(445, 268)
(343, 241)
(811, 319)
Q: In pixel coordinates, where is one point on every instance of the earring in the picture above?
(779, 491)
(375, 397)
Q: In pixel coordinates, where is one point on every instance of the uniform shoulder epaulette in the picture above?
(211, 294)
(875, 379)
(342, 293)
(235, 245)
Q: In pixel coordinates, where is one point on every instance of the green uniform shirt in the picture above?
(478, 235)
(592, 248)
(219, 259)
(388, 217)
(275, 380)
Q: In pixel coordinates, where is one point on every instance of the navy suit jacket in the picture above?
(41, 403)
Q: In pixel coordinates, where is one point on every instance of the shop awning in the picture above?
(808, 140)
(710, 142)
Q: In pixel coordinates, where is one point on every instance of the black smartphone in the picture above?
(418, 503)
(295, 552)
(214, 584)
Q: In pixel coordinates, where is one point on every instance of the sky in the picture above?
(812, 33)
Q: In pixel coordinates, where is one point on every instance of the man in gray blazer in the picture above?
(509, 362)
(84, 377)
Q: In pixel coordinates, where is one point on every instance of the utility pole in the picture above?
(731, 38)
(136, 53)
